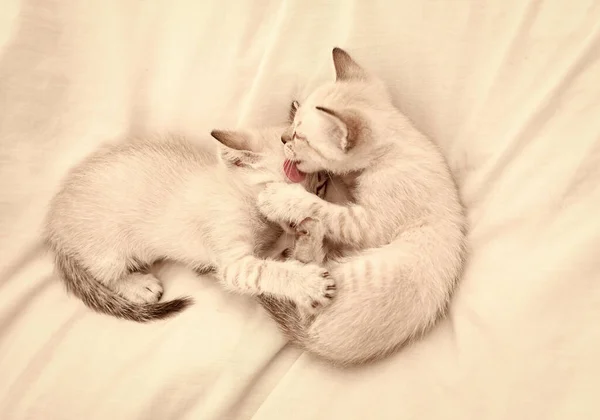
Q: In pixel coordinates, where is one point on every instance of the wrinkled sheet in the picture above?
(510, 90)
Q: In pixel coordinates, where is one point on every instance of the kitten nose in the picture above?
(285, 138)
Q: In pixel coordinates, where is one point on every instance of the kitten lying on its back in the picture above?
(129, 205)
(401, 236)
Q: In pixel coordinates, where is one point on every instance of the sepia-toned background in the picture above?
(510, 90)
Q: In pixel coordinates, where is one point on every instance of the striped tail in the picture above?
(102, 299)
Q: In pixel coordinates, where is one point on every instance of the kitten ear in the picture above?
(346, 68)
(239, 158)
(350, 126)
(238, 150)
(233, 139)
(293, 109)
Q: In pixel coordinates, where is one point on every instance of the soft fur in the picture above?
(402, 235)
(129, 205)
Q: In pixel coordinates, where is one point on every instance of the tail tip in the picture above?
(172, 307)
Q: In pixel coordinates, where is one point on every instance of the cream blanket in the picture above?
(510, 90)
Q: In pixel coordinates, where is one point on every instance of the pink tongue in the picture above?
(292, 172)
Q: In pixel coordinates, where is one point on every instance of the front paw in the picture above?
(308, 227)
(282, 203)
(315, 290)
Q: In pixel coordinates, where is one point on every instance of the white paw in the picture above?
(308, 246)
(281, 202)
(314, 289)
(309, 227)
(141, 288)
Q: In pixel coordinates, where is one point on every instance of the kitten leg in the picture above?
(309, 247)
(308, 285)
(347, 224)
(309, 242)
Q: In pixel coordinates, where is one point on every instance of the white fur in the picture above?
(129, 205)
(402, 234)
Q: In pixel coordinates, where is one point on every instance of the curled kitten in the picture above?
(401, 236)
(129, 205)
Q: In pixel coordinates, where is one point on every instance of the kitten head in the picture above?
(335, 129)
(258, 156)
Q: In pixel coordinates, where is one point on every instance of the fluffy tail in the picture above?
(102, 299)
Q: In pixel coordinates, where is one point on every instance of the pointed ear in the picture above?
(346, 68)
(292, 113)
(239, 158)
(238, 148)
(350, 124)
(233, 139)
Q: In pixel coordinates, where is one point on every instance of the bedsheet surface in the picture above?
(510, 90)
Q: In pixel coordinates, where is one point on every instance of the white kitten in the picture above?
(402, 235)
(129, 205)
